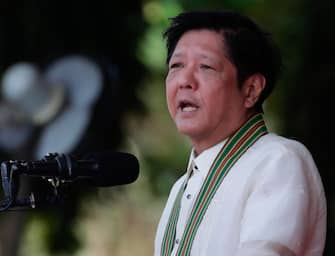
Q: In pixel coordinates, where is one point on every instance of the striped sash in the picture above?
(237, 144)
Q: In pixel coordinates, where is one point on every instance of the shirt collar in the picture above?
(202, 163)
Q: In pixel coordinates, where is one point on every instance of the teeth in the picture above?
(188, 109)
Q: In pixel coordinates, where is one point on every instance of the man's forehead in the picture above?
(203, 51)
(203, 54)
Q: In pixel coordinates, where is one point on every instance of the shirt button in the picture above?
(177, 241)
(188, 196)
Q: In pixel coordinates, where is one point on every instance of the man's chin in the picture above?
(188, 131)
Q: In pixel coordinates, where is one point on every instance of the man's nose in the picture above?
(187, 79)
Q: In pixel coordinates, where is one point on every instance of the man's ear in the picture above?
(252, 89)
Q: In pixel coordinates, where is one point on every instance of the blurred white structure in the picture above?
(59, 100)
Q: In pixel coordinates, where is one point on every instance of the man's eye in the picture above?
(204, 66)
(176, 65)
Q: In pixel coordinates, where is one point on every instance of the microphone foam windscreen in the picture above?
(114, 168)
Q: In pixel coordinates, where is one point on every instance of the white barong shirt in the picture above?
(271, 203)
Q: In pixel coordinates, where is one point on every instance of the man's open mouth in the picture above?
(187, 106)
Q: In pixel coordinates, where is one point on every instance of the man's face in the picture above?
(202, 89)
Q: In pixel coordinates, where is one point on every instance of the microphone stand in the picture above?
(10, 186)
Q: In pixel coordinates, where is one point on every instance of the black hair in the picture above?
(248, 47)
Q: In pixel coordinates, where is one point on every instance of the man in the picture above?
(246, 191)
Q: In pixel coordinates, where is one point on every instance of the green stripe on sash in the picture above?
(170, 232)
(242, 139)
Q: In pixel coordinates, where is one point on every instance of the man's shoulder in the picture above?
(273, 143)
(285, 156)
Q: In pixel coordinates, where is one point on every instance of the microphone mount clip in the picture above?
(10, 171)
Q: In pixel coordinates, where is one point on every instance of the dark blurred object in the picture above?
(310, 105)
(42, 32)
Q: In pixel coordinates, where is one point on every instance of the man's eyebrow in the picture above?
(176, 54)
(202, 55)
(205, 56)
(211, 57)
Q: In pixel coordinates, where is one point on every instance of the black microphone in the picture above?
(102, 169)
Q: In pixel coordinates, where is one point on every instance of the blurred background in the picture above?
(83, 76)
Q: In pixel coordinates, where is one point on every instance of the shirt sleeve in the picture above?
(285, 212)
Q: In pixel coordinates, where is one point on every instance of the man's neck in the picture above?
(212, 139)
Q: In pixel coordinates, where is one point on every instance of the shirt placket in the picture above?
(187, 202)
